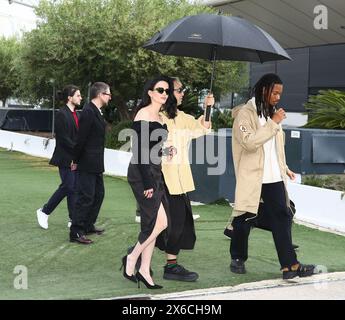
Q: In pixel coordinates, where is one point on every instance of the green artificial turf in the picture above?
(58, 269)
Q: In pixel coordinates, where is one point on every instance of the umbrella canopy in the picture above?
(216, 37)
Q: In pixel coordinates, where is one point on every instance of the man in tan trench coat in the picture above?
(261, 170)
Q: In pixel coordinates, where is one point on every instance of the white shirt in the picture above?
(271, 166)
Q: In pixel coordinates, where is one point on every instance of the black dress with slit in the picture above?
(144, 172)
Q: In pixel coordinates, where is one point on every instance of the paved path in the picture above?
(328, 286)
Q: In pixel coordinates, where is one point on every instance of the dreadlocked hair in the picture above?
(262, 92)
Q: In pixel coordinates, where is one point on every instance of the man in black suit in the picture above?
(89, 158)
(66, 128)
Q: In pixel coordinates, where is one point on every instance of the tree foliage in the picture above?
(191, 105)
(112, 140)
(83, 41)
(9, 78)
(326, 110)
(222, 119)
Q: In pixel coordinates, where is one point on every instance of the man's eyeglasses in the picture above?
(180, 90)
(107, 94)
(161, 90)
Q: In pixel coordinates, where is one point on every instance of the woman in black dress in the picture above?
(145, 177)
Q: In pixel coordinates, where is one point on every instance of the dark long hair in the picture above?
(171, 108)
(262, 91)
(149, 85)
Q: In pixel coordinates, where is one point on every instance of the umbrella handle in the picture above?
(208, 113)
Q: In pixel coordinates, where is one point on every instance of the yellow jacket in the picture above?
(248, 138)
(177, 172)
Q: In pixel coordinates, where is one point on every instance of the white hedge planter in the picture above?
(115, 162)
(318, 206)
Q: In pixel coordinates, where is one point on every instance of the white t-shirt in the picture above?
(271, 166)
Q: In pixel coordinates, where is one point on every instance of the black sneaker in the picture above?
(237, 266)
(138, 264)
(295, 246)
(304, 270)
(228, 232)
(179, 273)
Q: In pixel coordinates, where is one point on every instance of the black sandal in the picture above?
(303, 270)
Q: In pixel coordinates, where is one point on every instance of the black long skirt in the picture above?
(149, 207)
(181, 229)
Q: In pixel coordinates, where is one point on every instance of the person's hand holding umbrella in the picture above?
(208, 104)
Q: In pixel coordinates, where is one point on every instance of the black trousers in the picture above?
(67, 188)
(90, 195)
(276, 216)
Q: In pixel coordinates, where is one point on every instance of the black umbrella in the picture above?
(216, 37)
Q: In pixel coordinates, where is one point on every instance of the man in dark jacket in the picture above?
(66, 128)
(89, 159)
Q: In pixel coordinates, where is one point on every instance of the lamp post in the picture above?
(21, 3)
(88, 92)
(52, 81)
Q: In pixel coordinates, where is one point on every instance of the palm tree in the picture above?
(326, 110)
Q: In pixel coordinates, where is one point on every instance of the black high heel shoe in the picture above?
(140, 277)
(124, 263)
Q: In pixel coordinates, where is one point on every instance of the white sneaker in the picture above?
(137, 219)
(69, 223)
(196, 216)
(42, 218)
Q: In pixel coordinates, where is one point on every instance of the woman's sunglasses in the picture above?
(161, 90)
(180, 90)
